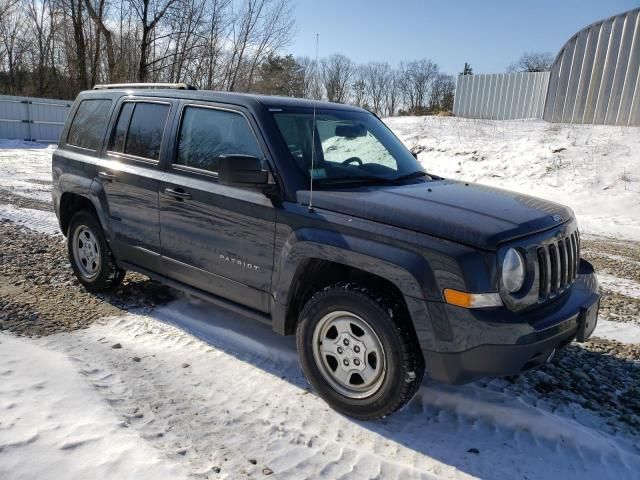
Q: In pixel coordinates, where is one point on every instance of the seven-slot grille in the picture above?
(558, 265)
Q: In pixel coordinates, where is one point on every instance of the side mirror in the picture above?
(241, 170)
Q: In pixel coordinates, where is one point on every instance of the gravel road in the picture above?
(39, 295)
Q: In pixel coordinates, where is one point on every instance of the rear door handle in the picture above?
(109, 177)
(178, 194)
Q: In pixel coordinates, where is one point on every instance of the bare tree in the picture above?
(393, 94)
(13, 29)
(360, 87)
(378, 76)
(532, 62)
(442, 91)
(260, 28)
(214, 36)
(307, 72)
(415, 83)
(59, 47)
(41, 19)
(337, 72)
(74, 11)
(149, 13)
(98, 17)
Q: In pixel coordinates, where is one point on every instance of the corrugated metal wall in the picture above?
(34, 119)
(595, 77)
(501, 96)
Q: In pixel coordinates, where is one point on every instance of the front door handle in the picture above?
(109, 177)
(178, 194)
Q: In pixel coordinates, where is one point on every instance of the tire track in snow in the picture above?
(232, 402)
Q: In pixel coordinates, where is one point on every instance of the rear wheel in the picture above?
(359, 351)
(89, 254)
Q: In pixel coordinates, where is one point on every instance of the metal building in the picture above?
(501, 96)
(595, 77)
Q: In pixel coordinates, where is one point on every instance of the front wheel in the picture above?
(359, 351)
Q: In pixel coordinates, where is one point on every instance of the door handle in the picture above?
(178, 194)
(109, 177)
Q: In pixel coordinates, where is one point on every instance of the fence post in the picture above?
(29, 120)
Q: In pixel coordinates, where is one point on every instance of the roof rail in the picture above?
(177, 86)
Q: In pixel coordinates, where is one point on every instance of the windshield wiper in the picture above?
(369, 179)
(372, 179)
(408, 176)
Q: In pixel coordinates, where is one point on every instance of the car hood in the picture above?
(467, 213)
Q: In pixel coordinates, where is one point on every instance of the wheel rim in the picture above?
(349, 354)
(86, 252)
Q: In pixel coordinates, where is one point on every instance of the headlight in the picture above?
(513, 271)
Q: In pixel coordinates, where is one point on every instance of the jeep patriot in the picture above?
(313, 218)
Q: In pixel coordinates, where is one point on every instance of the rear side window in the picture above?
(139, 129)
(206, 133)
(89, 124)
(120, 135)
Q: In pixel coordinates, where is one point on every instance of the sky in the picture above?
(489, 34)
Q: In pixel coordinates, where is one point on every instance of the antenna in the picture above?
(313, 130)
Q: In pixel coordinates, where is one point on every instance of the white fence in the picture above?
(32, 119)
(501, 96)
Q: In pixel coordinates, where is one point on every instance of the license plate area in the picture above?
(587, 320)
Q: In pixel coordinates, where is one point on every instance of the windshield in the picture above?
(350, 147)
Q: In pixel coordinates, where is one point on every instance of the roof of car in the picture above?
(245, 99)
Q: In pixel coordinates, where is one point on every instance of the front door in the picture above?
(130, 176)
(217, 238)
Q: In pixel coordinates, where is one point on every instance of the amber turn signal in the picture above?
(471, 300)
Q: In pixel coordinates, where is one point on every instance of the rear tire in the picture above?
(359, 351)
(89, 254)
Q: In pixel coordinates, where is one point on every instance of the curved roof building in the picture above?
(595, 77)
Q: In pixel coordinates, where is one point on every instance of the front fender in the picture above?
(406, 270)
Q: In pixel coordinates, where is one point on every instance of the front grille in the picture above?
(558, 265)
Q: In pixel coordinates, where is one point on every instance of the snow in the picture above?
(623, 286)
(591, 168)
(25, 168)
(43, 221)
(622, 332)
(55, 425)
(71, 406)
(242, 396)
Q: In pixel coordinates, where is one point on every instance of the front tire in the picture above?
(359, 351)
(90, 255)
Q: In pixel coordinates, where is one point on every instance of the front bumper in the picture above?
(497, 342)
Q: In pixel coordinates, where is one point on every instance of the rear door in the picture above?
(130, 176)
(217, 238)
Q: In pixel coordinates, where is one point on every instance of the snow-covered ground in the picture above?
(211, 389)
(196, 391)
(55, 425)
(25, 168)
(592, 168)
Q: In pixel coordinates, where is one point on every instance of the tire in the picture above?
(384, 365)
(89, 254)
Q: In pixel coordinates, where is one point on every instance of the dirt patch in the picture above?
(39, 295)
(6, 197)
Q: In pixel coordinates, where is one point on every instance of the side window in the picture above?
(206, 133)
(139, 129)
(120, 134)
(89, 124)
